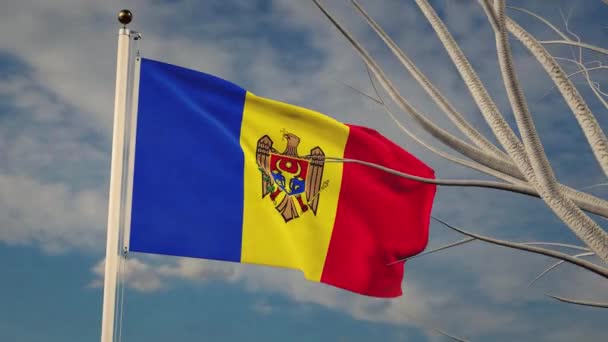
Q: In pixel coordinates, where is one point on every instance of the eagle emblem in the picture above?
(292, 181)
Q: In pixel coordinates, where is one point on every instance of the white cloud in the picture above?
(50, 215)
(133, 272)
(429, 302)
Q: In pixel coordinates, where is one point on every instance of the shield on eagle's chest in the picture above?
(292, 182)
(289, 173)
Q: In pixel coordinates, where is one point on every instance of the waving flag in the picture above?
(223, 174)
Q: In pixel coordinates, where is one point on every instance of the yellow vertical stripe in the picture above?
(302, 242)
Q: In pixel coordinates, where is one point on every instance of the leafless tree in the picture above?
(519, 163)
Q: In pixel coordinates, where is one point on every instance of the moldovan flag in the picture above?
(223, 174)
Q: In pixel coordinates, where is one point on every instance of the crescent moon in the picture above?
(280, 169)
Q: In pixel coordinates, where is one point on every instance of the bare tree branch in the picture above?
(557, 244)
(548, 23)
(556, 265)
(564, 208)
(565, 19)
(439, 133)
(582, 69)
(584, 201)
(448, 335)
(504, 167)
(536, 250)
(525, 165)
(437, 330)
(467, 163)
(593, 132)
(449, 245)
(579, 302)
(364, 94)
(573, 43)
(480, 95)
(467, 240)
(594, 186)
(585, 228)
(445, 182)
(432, 91)
(594, 86)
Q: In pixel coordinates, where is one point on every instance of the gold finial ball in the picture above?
(125, 16)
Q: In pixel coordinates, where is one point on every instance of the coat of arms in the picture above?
(292, 181)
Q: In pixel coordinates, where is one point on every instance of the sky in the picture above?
(57, 74)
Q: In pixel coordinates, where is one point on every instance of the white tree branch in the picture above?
(436, 131)
(505, 167)
(578, 302)
(556, 265)
(467, 163)
(461, 123)
(557, 244)
(449, 245)
(602, 271)
(585, 201)
(445, 182)
(583, 226)
(593, 132)
(548, 23)
(593, 85)
(578, 44)
(590, 232)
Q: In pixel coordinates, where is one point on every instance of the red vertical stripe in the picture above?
(380, 217)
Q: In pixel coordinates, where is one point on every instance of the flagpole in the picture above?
(116, 172)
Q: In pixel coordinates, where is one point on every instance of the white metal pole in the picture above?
(116, 173)
(131, 134)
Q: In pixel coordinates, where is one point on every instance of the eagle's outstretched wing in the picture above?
(314, 177)
(262, 154)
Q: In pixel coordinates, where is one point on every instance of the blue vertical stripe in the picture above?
(188, 178)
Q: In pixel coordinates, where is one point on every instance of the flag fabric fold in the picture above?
(223, 174)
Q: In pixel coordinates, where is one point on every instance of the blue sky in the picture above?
(57, 69)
